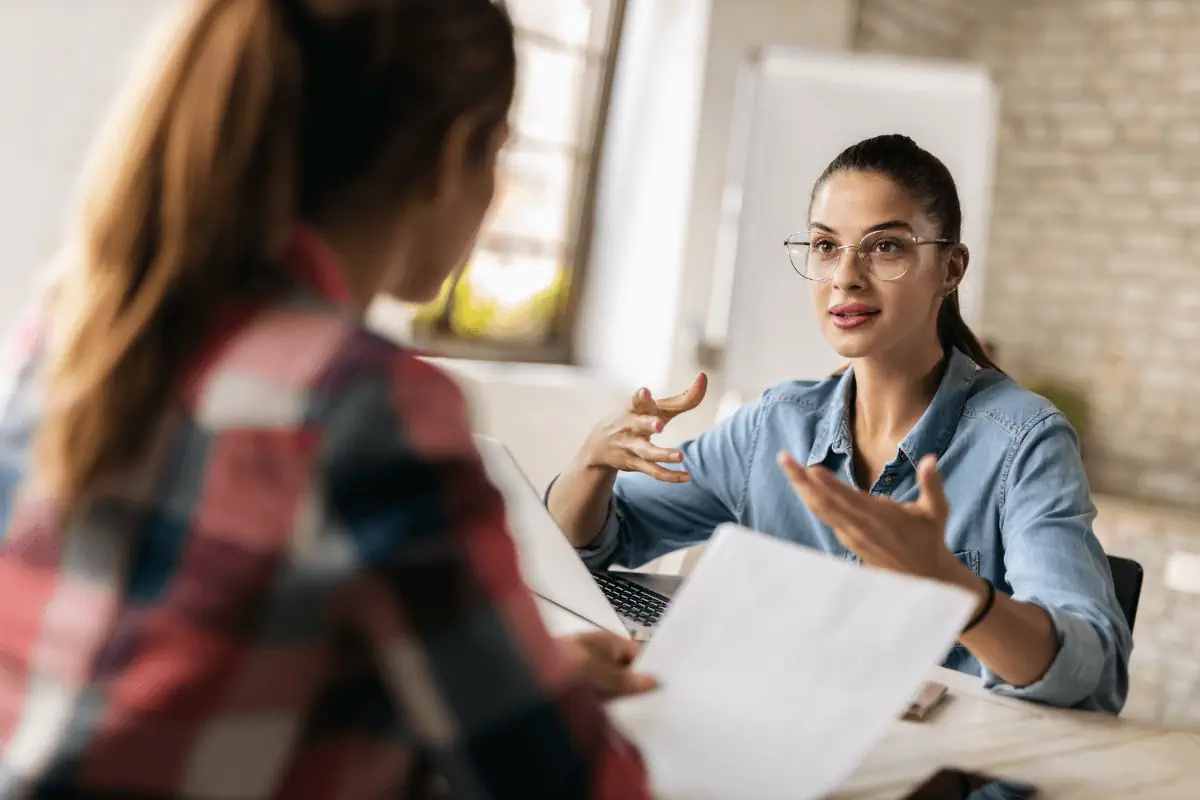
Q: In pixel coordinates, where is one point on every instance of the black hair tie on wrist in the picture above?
(982, 612)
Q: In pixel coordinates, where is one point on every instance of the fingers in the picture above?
(640, 455)
(628, 683)
(932, 499)
(650, 452)
(656, 471)
(607, 646)
(791, 468)
(688, 400)
(607, 665)
(621, 650)
(643, 403)
(613, 681)
(839, 506)
(804, 484)
(642, 425)
(845, 514)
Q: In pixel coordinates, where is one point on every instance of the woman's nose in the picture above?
(850, 273)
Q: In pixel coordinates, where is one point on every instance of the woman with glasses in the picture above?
(921, 457)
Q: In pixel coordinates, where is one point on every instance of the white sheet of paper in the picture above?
(781, 667)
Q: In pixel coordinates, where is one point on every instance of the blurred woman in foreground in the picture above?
(250, 550)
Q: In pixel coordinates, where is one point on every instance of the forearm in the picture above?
(579, 501)
(1016, 641)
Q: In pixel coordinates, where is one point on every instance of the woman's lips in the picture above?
(852, 315)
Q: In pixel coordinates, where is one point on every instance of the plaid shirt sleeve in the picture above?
(478, 681)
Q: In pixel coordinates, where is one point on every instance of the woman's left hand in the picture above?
(902, 537)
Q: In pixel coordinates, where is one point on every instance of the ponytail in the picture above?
(259, 114)
(953, 332)
(188, 203)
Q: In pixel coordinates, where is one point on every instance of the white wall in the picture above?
(61, 62)
(740, 28)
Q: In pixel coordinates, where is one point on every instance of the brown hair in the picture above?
(261, 113)
(925, 178)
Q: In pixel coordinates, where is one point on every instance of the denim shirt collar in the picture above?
(933, 430)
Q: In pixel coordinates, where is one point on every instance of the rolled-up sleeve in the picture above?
(1052, 559)
(603, 548)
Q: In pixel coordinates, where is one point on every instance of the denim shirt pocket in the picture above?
(970, 560)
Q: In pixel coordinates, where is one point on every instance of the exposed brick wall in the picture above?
(1094, 271)
(922, 28)
(1094, 262)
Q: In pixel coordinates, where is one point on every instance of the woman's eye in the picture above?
(888, 246)
(823, 246)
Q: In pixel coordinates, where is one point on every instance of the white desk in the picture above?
(1066, 754)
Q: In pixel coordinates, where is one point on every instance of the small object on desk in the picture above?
(931, 696)
(957, 784)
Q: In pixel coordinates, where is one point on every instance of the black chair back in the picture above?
(1127, 580)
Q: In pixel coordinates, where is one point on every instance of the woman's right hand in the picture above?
(622, 442)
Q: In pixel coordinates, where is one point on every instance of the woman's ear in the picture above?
(956, 267)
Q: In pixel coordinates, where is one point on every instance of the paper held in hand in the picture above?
(781, 667)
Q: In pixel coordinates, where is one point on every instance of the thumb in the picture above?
(932, 499)
(643, 402)
(618, 650)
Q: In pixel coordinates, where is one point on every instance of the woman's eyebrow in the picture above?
(882, 226)
(891, 223)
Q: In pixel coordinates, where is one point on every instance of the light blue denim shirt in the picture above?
(1021, 511)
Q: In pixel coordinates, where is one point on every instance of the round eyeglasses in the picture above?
(888, 255)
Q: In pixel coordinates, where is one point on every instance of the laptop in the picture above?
(628, 604)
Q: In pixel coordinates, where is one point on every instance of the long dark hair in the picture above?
(259, 114)
(926, 179)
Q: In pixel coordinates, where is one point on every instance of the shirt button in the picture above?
(889, 479)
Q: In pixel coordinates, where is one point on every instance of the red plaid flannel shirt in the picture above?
(305, 590)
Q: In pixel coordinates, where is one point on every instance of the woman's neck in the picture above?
(890, 397)
(367, 251)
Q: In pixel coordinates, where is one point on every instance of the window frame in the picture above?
(438, 341)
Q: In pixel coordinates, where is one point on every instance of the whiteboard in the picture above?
(804, 108)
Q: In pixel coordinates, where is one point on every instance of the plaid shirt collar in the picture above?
(314, 265)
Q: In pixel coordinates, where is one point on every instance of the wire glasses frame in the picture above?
(888, 255)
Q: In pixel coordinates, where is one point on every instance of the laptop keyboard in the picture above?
(632, 601)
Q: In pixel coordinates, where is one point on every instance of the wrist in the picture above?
(587, 465)
(982, 609)
(955, 573)
(952, 571)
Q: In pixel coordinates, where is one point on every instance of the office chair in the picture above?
(1127, 580)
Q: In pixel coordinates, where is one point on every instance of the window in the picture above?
(516, 296)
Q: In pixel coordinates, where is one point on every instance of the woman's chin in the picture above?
(851, 343)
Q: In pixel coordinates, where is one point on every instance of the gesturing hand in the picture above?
(902, 537)
(622, 442)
